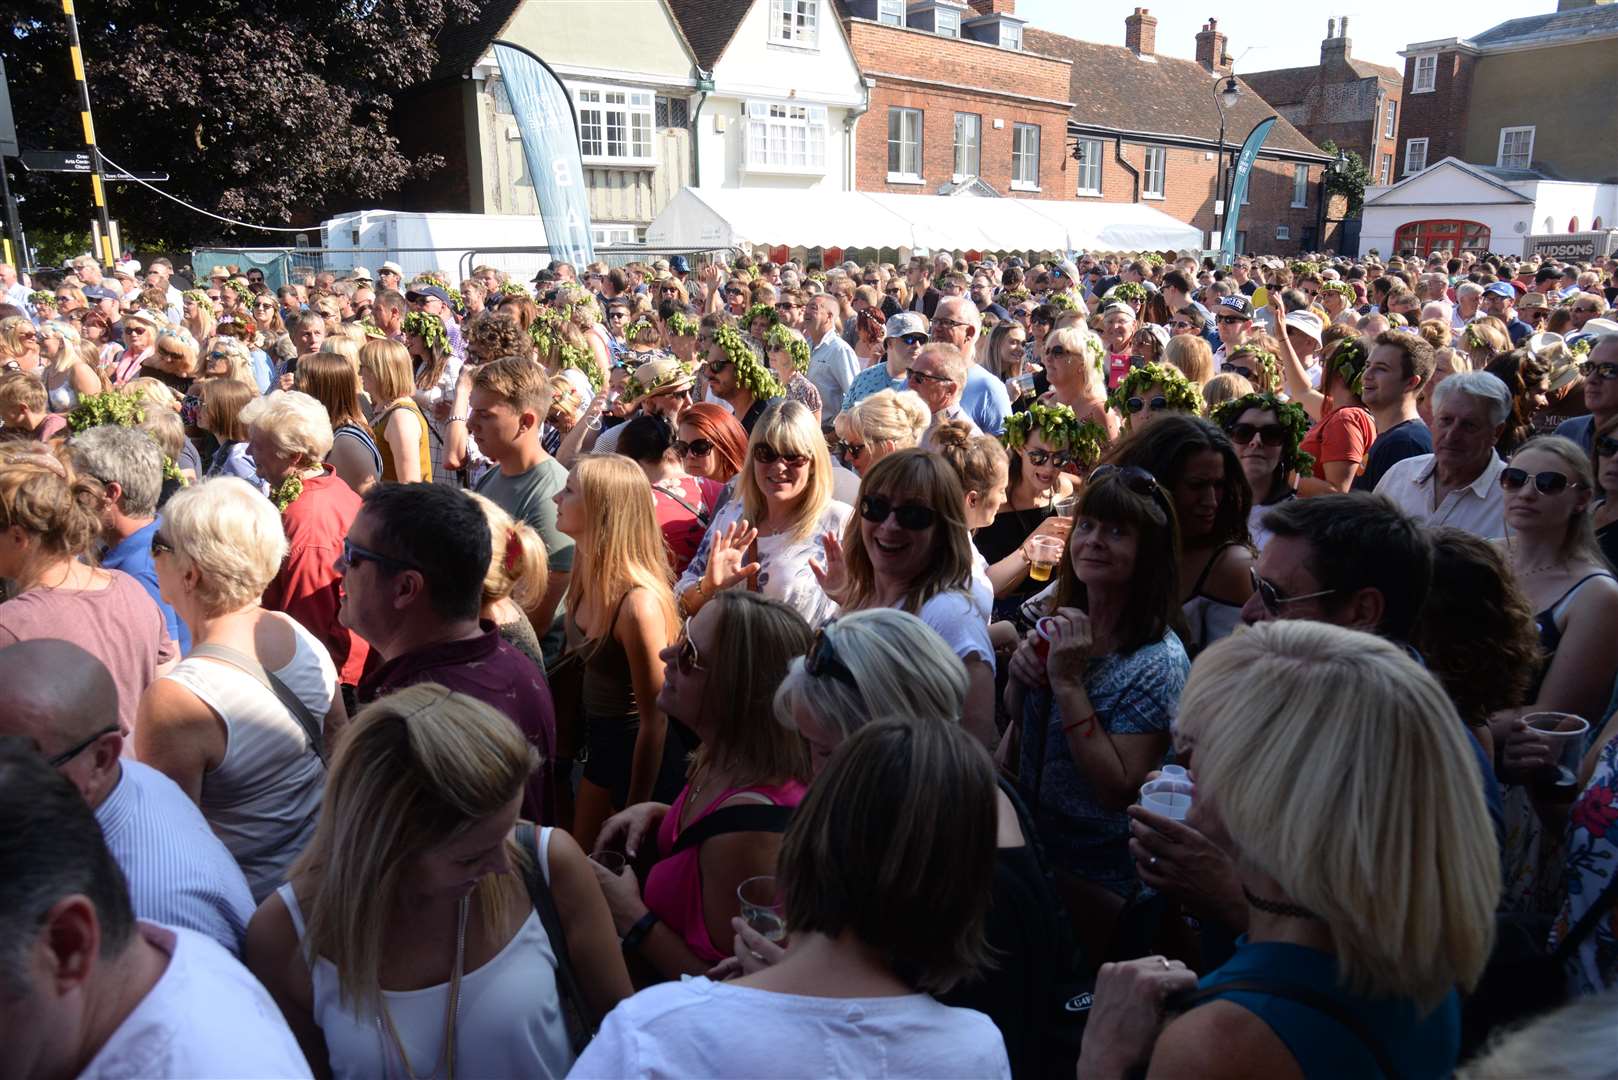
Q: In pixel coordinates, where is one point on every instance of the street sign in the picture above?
(76, 161)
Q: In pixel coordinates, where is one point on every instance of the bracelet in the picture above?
(1087, 721)
(456, 419)
(638, 932)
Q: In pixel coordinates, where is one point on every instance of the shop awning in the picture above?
(1104, 226)
(756, 217)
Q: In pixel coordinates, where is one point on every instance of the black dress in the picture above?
(1002, 536)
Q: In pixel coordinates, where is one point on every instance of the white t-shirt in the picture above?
(703, 1028)
(956, 617)
(206, 1017)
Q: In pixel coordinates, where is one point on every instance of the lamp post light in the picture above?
(1224, 98)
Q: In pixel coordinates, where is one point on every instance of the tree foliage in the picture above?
(1350, 180)
(259, 110)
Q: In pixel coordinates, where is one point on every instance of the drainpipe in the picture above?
(1134, 173)
(704, 84)
(851, 125)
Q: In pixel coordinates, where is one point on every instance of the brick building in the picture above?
(1147, 130)
(955, 104)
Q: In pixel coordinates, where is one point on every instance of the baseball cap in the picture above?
(1239, 304)
(427, 290)
(130, 267)
(905, 323)
(391, 268)
(1500, 288)
(100, 292)
(679, 265)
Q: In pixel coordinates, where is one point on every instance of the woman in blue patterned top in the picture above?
(1096, 710)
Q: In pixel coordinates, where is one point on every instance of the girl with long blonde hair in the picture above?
(67, 375)
(620, 615)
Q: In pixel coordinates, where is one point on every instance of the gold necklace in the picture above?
(452, 1008)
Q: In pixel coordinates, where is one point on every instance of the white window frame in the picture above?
(1011, 36)
(1088, 164)
(969, 153)
(1283, 232)
(1390, 118)
(899, 175)
(787, 137)
(614, 235)
(890, 12)
(1528, 155)
(946, 22)
(1161, 171)
(795, 23)
(1300, 186)
(597, 104)
(1411, 168)
(1021, 155)
(1385, 175)
(1418, 85)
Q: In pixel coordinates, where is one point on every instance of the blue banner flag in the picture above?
(1238, 188)
(550, 144)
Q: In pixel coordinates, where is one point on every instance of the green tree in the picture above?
(261, 111)
(1349, 180)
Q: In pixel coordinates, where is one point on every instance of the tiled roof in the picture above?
(709, 25)
(1365, 70)
(1549, 28)
(1115, 90)
(461, 45)
(1283, 86)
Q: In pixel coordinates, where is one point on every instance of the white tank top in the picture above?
(510, 1021)
(263, 798)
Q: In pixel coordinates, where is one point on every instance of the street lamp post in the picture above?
(1224, 97)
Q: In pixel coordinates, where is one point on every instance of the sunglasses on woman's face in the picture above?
(694, 448)
(1039, 458)
(765, 454)
(851, 451)
(1237, 369)
(1156, 404)
(686, 658)
(1547, 483)
(1606, 446)
(1268, 434)
(911, 518)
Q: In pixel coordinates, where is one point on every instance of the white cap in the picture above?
(391, 268)
(131, 267)
(359, 273)
(1305, 322)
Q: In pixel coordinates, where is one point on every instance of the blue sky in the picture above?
(1262, 37)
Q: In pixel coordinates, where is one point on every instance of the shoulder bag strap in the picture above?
(1587, 922)
(539, 894)
(755, 817)
(700, 513)
(292, 703)
(1308, 997)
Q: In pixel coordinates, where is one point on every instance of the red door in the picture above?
(1424, 237)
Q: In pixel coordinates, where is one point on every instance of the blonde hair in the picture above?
(223, 401)
(979, 461)
(295, 423)
(1224, 387)
(1491, 335)
(899, 417)
(1076, 340)
(1340, 769)
(788, 427)
(232, 535)
(522, 576)
(1458, 361)
(415, 769)
(166, 429)
(346, 347)
(621, 547)
(11, 330)
(1191, 354)
(68, 356)
(22, 388)
(238, 361)
(902, 671)
(43, 493)
(1579, 541)
(1570, 1043)
(388, 362)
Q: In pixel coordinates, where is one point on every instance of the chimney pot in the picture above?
(1342, 28)
(1331, 27)
(1211, 51)
(1140, 33)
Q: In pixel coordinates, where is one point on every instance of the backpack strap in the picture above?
(1308, 997)
(293, 704)
(539, 894)
(754, 817)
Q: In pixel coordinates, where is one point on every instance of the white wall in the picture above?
(1561, 200)
(1380, 224)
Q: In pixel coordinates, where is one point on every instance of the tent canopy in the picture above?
(748, 217)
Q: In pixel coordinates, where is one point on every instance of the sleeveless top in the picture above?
(1550, 638)
(263, 798)
(1207, 618)
(609, 687)
(379, 429)
(510, 1021)
(1417, 1046)
(363, 437)
(674, 885)
(63, 398)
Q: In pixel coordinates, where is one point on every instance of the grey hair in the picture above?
(1481, 385)
(1468, 288)
(127, 457)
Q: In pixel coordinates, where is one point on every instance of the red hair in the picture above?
(726, 433)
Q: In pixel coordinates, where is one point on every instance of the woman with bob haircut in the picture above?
(886, 874)
(1191, 354)
(329, 379)
(226, 738)
(719, 681)
(1337, 769)
(620, 616)
(405, 937)
(1267, 434)
(1073, 359)
(400, 430)
(769, 538)
(1092, 712)
(220, 415)
(1198, 467)
(711, 443)
(880, 424)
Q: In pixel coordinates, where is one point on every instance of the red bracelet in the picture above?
(1086, 721)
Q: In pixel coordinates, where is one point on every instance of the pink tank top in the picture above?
(674, 886)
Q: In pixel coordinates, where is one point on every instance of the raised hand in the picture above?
(726, 565)
(833, 575)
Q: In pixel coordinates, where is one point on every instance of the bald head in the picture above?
(56, 693)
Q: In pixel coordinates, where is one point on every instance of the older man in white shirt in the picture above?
(832, 364)
(1458, 484)
(938, 376)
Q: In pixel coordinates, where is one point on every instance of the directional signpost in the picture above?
(76, 161)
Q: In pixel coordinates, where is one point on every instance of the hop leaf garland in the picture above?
(430, 328)
(42, 298)
(682, 325)
(1289, 414)
(576, 356)
(761, 311)
(635, 328)
(108, 407)
(751, 374)
(1064, 300)
(1130, 292)
(1152, 258)
(203, 301)
(1267, 362)
(1061, 429)
(241, 289)
(287, 492)
(790, 342)
(513, 288)
(1348, 361)
(1177, 389)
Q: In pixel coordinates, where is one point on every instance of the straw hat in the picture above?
(662, 374)
(1552, 348)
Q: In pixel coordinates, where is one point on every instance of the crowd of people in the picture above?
(968, 667)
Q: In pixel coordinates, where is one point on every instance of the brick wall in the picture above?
(932, 59)
(1440, 116)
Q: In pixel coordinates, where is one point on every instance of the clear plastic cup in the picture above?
(1044, 552)
(1170, 785)
(611, 861)
(1174, 772)
(763, 907)
(1170, 804)
(1564, 733)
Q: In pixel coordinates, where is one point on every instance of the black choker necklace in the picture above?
(1277, 907)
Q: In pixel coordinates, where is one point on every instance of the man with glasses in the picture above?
(984, 397)
(413, 568)
(923, 297)
(1243, 274)
(1233, 318)
(938, 375)
(1496, 302)
(1586, 306)
(903, 336)
(429, 298)
(791, 307)
(1600, 371)
(59, 697)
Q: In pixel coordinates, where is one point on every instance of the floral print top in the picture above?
(1591, 861)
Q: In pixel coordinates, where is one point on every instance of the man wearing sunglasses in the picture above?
(59, 698)
(938, 375)
(1233, 318)
(957, 322)
(1600, 371)
(1458, 484)
(1498, 298)
(903, 336)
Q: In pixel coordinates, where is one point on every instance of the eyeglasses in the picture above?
(1272, 599)
(686, 658)
(160, 546)
(1547, 483)
(1585, 311)
(1059, 350)
(1268, 434)
(1604, 370)
(914, 340)
(1231, 320)
(784, 306)
(1156, 404)
(927, 377)
(353, 555)
(1606, 446)
(893, 291)
(694, 448)
(78, 748)
(765, 454)
(823, 661)
(851, 451)
(911, 518)
(1039, 458)
(946, 324)
(735, 292)
(62, 296)
(1181, 324)
(1237, 369)
(719, 367)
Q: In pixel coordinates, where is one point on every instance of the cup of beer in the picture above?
(1044, 552)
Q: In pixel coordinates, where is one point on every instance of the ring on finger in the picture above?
(1166, 965)
(1152, 861)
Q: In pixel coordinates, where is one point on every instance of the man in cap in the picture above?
(389, 275)
(126, 280)
(659, 387)
(428, 298)
(358, 274)
(1233, 319)
(1497, 302)
(903, 337)
(679, 267)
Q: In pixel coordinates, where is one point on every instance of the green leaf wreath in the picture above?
(287, 492)
(581, 358)
(1061, 429)
(635, 328)
(682, 325)
(1348, 361)
(430, 328)
(634, 391)
(1152, 258)
(1130, 292)
(1342, 287)
(241, 289)
(751, 372)
(513, 288)
(202, 300)
(790, 342)
(44, 298)
(1265, 361)
(1064, 300)
(1289, 414)
(1177, 389)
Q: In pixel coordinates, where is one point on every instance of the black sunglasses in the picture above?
(1133, 477)
(1269, 434)
(1059, 458)
(1232, 319)
(823, 660)
(1605, 370)
(719, 367)
(918, 340)
(911, 518)
(851, 451)
(927, 376)
(1606, 446)
(78, 748)
(160, 546)
(765, 454)
(353, 555)
(1157, 404)
(1273, 600)
(1236, 369)
(1548, 483)
(694, 448)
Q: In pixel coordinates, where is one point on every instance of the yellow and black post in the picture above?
(97, 188)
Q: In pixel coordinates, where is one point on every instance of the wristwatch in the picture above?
(638, 932)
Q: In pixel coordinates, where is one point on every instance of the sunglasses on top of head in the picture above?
(1133, 477)
(911, 518)
(1547, 483)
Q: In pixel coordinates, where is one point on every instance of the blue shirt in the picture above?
(133, 555)
(263, 370)
(872, 380)
(985, 399)
(1409, 438)
(1519, 331)
(1582, 430)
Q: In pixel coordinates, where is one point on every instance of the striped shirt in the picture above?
(178, 871)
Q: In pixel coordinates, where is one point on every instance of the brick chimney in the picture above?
(1140, 32)
(1211, 51)
(994, 7)
(1334, 50)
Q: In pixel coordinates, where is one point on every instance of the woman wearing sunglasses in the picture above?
(67, 375)
(1268, 434)
(878, 425)
(1073, 363)
(719, 680)
(277, 341)
(711, 443)
(1152, 390)
(767, 540)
